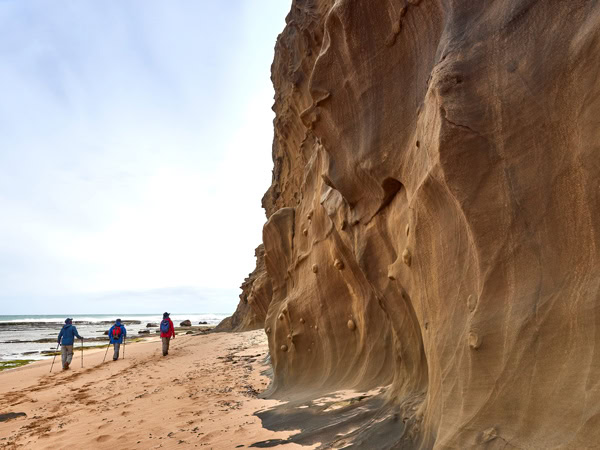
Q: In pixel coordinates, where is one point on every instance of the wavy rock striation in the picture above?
(434, 217)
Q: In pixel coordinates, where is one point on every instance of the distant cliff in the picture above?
(434, 216)
(254, 299)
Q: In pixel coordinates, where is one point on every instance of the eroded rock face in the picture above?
(254, 299)
(434, 214)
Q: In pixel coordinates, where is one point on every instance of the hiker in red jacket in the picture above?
(167, 331)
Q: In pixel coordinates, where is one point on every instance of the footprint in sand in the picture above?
(207, 437)
(102, 438)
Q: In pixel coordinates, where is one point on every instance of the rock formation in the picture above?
(434, 217)
(254, 299)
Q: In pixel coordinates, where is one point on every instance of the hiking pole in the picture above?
(82, 353)
(107, 347)
(53, 359)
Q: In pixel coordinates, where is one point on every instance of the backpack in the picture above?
(165, 326)
(116, 333)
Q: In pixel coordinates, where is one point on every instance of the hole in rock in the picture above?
(390, 187)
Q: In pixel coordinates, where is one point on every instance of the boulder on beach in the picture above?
(151, 325)
(203, 323)
(106, 333)
(185, 323)
(144, 332)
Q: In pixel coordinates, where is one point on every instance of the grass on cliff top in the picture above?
(14, 363)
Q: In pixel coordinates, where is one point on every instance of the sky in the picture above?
(135, 147)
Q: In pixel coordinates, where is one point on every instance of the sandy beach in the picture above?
(203, 394)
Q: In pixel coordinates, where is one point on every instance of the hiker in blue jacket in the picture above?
(117, 334)
(66, 338)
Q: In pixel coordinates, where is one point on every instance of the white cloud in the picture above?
(135, 144)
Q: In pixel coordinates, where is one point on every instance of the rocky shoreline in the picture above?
(25, 342)
(104, 338)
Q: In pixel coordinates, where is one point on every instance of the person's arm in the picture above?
(60, 335)
(76, 333)
(172, 329)
(110, 334)
(124, 331)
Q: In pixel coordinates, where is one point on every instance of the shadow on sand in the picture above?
(357, 422)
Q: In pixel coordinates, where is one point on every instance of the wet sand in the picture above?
(203, 394)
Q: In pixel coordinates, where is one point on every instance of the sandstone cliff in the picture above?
(434, 217)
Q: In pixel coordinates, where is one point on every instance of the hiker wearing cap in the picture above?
(117, 334)
(66, 338)
(167, 332)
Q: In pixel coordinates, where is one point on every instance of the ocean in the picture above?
(31, 336)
